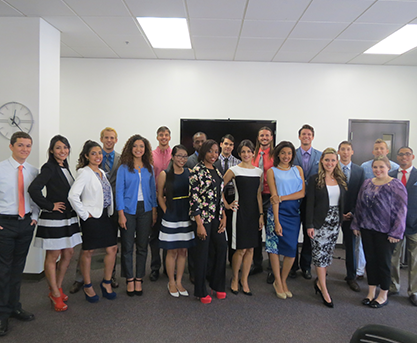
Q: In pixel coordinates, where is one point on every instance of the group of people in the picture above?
(210, 206)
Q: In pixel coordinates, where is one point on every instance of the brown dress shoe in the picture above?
(76, 286)
(353, 285)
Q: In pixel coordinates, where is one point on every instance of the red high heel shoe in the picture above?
(219, 295)
(206, 299)
(58, 303)
(63, 295)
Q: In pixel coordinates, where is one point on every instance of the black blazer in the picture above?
(357, 176)
(411, 186)
(57, 187)
(318, 204)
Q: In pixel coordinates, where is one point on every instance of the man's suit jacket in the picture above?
(113, 172)
(51, 177)
(313, 164)
(86, 194)
(411, 186)
(357, 176)
(192, 161)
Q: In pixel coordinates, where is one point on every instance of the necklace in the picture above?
(283, 168)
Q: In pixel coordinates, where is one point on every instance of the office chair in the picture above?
(374, 333)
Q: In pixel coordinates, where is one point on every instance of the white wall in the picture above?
(138, 96)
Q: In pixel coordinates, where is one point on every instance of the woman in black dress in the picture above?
(58, 231)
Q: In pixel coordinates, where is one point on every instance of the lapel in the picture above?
(412, 179)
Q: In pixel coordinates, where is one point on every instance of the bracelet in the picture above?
(280, 200)
(261, 214)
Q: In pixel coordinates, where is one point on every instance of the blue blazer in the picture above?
(127, 189)
(411, 186)
(313, 165)
(357, 176)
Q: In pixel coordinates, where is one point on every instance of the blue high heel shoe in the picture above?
(106, 294)
(94, 298)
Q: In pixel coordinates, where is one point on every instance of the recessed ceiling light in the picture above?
(396, 44)
(166, 33)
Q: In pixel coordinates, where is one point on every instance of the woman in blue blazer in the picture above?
(92, 199)
(136, 206)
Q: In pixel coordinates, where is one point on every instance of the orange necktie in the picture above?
(404, 179)
(21, 190)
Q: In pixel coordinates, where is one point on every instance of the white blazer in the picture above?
(86, 194)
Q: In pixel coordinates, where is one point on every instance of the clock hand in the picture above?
(14, 116)
(17, 126)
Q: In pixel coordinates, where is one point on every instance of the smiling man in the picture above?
(308, 159)
(355, 176)
(18, 217)
(407, 174)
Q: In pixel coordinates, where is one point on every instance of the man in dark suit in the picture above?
(198, 139)
(355, 176)
(224, 162)
(407, 174)
(308, 159)
(110, 163)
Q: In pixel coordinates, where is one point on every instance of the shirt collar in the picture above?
(223, 157)
(16, 164)
(167, 151)
(408, 169)
(348, 166)
(303, 152)
(110, 154)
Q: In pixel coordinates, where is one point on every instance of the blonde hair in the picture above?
(337, 172)
(381, 141)
(107, 129)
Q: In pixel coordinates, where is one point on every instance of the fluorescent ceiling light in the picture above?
(166, 33)
(396, 44)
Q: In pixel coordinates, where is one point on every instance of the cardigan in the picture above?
(318, 203)
(127, 188)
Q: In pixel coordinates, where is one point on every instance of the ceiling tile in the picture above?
(267, 28)
(364, 31)
(317, 30)
(41, 8)
(136, 46)
(215, 55)
(95, 51)
(409, 58)
(211, 27)
(336, 11)
(302, 45)
(113, 25)
(294, 56)
(390, 12)
(98, 7)
(276, 9)
(371, 59)
(246, 43)
(67, 24)
(346, 46)
(160, 8)
(255, 55)
(8, 11)
(66, 51)
(333, 57)
(178, 54)
(220, 43)
(219, 9)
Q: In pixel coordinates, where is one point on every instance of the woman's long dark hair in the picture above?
(82, 159)
(277, 150)
(54, 140)
(170, 175)
(127, 155)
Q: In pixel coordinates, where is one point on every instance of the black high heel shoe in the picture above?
(234, 291)
(130, 293)
(245, 293)
(317, 289)
(138, 293)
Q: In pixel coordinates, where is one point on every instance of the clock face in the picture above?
(15, 117)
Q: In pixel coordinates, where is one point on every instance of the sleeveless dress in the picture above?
(245, 221)
(176, 231)
(287, 182)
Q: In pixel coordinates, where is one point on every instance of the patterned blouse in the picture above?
(106, 189)
(203, 197)
(381, 208)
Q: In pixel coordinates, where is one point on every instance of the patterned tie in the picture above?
(346, 172)
(21, 191)
(404, 179)
(226, 164)
(107, 164)
(261, 167)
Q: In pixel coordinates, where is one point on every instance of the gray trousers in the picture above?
(138, 229)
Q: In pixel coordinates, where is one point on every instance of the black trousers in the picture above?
(215, 248)
(378, 252)
(257, 251)
(305, 256)
(349, 240)
(15, 238)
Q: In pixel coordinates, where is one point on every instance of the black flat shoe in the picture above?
(376, 304)
(366, 301)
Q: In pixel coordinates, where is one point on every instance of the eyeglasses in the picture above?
(401, 154)
(184, 157)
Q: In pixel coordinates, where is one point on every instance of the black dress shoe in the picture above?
(114, 283)
(353, 285)
(413, 299)
(154, 275)
(4, 327)
(292, 274)
(376, 304)
(270, 278)
(76, 286)
(307, 274)
(390, 293)
(22, 315)
(255, 270)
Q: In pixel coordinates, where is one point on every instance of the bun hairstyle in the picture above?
(82, 159)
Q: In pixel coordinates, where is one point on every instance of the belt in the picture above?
(183, 197)
(14, 216)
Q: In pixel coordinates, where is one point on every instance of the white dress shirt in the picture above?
(9, 198)
(407, 175)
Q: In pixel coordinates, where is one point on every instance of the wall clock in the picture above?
(15, 117)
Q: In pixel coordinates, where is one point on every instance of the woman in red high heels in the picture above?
(58, 231)
(207, 212)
